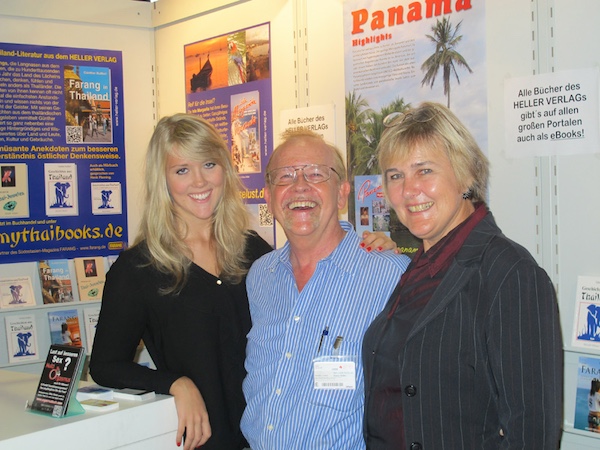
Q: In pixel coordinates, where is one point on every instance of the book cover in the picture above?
(14, 191)
(91, 276)
(21, 337)
(587, 397)
(90, 318)
(58, 381)
(106, 198)
(94, 391)
(60, 182)
(372, 211)
(88, 104)
(16, 292)
(95, 404)
(586, 328)
(245, 137)
(55, 280)
(64, 327)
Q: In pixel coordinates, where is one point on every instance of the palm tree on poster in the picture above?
(445, 57)
(357, 115)
(365, 156)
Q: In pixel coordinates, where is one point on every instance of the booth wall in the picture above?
(548, 204)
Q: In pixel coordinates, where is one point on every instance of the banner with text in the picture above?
(62, 155)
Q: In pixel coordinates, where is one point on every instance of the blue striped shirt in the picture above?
(347, 290)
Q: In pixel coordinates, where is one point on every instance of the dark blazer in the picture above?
(483, 365)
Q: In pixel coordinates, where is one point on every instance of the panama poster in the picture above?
(399, 53)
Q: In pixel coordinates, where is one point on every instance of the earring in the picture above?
(467, 195)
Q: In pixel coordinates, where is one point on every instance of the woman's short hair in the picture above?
(433, 123)
(190, 137)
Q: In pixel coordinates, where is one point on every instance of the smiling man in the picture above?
(311, 302)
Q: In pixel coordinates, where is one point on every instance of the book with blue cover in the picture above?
(64, 327)
(587, 396)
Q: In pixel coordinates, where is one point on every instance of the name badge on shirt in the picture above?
(334, 372)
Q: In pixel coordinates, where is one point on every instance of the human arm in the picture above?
(256, 247)
(191, 414)
(379, 241)
(124, 318)
(525, 350)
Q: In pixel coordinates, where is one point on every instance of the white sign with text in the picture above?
(320, 119)
(552, 114)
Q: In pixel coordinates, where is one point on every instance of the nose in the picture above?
(410, 188)
(300, 182)
(199, 178)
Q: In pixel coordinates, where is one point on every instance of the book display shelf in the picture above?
(49, 311)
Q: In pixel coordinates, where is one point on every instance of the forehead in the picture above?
(302, 151)
(421, 153)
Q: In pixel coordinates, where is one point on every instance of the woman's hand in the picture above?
(191, 414)
(378, 241)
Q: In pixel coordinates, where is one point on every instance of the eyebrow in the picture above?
(415, 165)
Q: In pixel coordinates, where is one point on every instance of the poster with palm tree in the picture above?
(398, 54)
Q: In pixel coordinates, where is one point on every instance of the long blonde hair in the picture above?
(161, 227)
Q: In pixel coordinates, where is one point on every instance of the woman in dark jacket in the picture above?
(467, 354)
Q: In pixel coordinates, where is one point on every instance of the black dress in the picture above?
(200, 333)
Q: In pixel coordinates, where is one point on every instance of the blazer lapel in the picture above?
(463, 267)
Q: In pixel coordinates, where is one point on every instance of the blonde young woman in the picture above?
(180, 288)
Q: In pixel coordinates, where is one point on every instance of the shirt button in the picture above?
(270, 427)
(296, 318)
(410, 391)
(288, 355)
(278, 391)
(416, 446)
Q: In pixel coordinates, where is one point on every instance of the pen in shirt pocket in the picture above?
(336, 345)
(323, 334)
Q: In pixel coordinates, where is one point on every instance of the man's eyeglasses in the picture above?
(313, 173)
(420, 116)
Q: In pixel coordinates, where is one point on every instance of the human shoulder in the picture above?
(256, 246)
(504, 253)
(267, 260)
(376, 258)
(138, 252)
(501, 258)
(133, 259)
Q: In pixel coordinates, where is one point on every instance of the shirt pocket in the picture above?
(341, 399)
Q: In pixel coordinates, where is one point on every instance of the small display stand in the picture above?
(57, 389)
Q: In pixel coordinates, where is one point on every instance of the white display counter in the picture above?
(135, 425)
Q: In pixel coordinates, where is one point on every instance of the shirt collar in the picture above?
(447, 247)
(341, 255)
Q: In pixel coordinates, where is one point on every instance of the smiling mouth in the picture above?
(202, 196)
(304, 204)
(421, 207)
